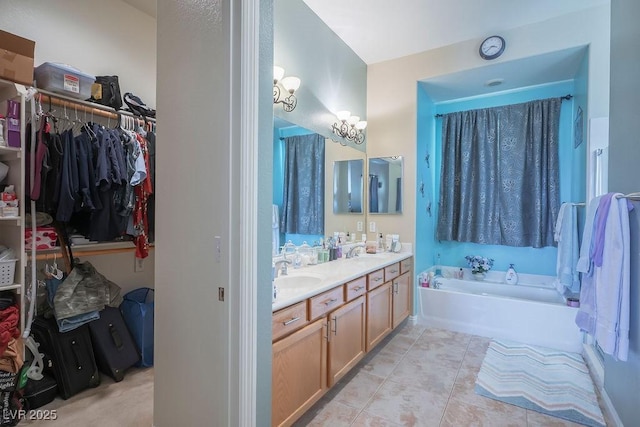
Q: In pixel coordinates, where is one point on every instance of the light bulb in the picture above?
(343, 115)
(353, 120)
(291, 83)
(361, 125)
(278, 74)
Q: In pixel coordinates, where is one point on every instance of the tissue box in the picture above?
(16, 58)
(44, 238)
(64, 79)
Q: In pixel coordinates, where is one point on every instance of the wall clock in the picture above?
(492, 47)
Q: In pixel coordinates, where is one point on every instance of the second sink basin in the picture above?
(297, 281)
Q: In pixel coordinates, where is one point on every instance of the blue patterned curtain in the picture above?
(373, 194)
(303, 208)
(500, 180)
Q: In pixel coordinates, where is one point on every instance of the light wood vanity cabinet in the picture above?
(317, 341)
(378, 314)
(346, 338)
(401, 287)
(298, 372)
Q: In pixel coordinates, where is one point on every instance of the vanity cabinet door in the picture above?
(299, 372)
(401, 287)
(378, 314)
(346, 338)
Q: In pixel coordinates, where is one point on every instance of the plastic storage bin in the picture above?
(137, 310)
(7, 271)
(64, 79)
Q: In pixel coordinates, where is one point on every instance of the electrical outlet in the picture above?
(138, 266)
(359, 224)
(372, 227)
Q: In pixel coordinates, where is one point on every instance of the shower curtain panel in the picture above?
(500, 175)
(373, 194)
(303, 206)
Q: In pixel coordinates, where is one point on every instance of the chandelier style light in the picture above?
(349, 127)
(283, 89)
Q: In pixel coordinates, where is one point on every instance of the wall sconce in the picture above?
(283, 85)
(349, 127)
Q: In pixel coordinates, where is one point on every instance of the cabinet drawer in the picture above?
(325, 302)
(288, 320)
(355, 288)
(391, 272)
(405, 265)
(375, 279)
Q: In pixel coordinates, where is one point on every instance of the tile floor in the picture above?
(420, 377)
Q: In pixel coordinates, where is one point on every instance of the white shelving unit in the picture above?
(12, 228)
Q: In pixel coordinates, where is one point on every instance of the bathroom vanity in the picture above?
(326, 318)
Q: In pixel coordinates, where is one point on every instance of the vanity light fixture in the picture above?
(349, 127)
(283, 89)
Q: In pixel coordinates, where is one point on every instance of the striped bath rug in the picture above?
(553, 382)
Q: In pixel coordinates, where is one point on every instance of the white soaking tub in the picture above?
(536, 315)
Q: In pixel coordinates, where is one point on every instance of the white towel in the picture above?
(566, 234)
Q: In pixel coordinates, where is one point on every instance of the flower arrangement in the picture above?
(479, 264)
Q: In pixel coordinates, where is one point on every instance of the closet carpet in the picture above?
(128, 403)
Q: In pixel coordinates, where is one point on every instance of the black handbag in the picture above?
(106, 91)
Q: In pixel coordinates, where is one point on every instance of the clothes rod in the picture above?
(566, 97)
(50, 98)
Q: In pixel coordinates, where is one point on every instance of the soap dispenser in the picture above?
(511, 277)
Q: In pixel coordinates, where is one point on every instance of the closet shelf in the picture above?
(10, 287)
(92, 249)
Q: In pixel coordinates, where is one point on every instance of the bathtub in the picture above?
(536, 315)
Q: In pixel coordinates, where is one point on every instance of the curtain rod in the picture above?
(567, 97)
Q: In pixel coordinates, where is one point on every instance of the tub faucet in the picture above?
(281, 265)
(352, 251)
(436, 284)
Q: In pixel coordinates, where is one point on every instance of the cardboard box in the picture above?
(16, 58)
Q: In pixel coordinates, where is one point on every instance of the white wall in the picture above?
(98, 37)
(392, 107)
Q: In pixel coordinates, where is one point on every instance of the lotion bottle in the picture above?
(511, 277)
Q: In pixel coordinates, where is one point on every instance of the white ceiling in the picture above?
(379, 30)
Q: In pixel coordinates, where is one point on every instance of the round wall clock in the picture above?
(492, 47)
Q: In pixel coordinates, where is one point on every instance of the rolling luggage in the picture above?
(137, 309)
(72, 361)
(39, 393)
(113, 345)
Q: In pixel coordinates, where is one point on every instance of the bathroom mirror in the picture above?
(385, 185)
(348, 186)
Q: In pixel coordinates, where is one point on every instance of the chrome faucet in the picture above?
(282, 263)
(436, 284)
(352, 251)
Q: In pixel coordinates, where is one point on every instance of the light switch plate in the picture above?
(372, 227)
(359, 225)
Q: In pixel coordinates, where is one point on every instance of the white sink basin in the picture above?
(297, 281)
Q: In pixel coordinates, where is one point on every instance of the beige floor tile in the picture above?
(359, 390)
(365, 419)
(433, 377)
(449, 336)
(437, 350)
(459, 414)
(410, 330)
(407, 404)
(400, 344)
(334, 414)
(537, 419)
(382, 364)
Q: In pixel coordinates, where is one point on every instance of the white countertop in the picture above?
(328, 275)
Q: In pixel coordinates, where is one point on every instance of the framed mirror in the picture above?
(384, 185)
(348, 186)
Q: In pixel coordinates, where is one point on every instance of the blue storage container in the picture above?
(137, 310)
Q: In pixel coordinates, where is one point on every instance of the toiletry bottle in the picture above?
(438, 268)
(339, 248)
(274, 288)
(511, 277)
(460, 274)
(380, 243)
(297, 259)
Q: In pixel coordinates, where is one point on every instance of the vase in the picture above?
(478, 276)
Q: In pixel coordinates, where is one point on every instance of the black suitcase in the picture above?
(38, 393)
(113, 344)
(72, 362)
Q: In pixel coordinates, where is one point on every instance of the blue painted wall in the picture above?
(278, 180)
(572, 180)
